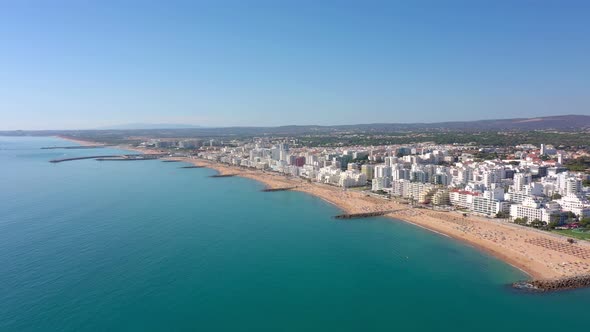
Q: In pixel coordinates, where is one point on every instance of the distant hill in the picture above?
(560, 122)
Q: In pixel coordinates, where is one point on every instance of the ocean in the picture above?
(148, 246)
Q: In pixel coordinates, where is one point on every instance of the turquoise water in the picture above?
(146, 246)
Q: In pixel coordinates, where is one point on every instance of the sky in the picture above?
(91, 64)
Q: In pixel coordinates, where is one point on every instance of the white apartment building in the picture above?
(462, 198)
(425, 195)
(568, 184)
(441, 197)
(380, 184)
(575, 204)
(398, 187)
(416, 190)
(329, 175)
(382, 171)
(352, 179)
(488, 206)
(532, 209)
(521, 180)
(572, 186)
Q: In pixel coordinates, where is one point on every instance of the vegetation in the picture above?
(582, 233)
(577, 234)
(538, 223)
(581, 164)
(521, 221)
(361, 160)
(346, 136)
(485, 138)
(502, 215)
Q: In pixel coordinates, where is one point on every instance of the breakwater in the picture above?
(364, 215)
(81, 158)
(170, 161)
(73, 147)
(222, 175)
(194, 166)
(550, 285)
(278, 189)
(125, 157)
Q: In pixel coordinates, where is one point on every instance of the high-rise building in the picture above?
(390, 161)
(382, 171)
(521, 180)
(573, 186)
(369, 171)
(441, 197)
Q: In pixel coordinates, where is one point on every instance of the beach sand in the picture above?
(79, 141)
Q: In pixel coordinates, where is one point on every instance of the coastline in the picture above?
(79, 141)
(509, 243)
(506, 259)
(541, 255)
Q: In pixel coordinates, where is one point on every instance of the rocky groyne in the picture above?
(550, 285)
(363, 215)
(278, 189)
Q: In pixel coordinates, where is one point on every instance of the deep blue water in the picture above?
(147, 246)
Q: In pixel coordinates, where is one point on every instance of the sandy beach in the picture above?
(79, 141)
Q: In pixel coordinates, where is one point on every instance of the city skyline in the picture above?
(82, 66)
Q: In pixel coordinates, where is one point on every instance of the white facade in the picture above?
(532, 210)
(575, 204)
(488, 206)
(352, 179)
(463, 199)
(382, 171)
(380, 184)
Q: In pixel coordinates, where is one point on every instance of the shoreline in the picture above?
(534, 261)
(79, 141)
(496, 255)
(540, 255)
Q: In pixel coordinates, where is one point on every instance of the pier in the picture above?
(278, 189)
(551, 285)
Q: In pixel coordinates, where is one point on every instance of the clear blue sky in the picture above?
(88, 64)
